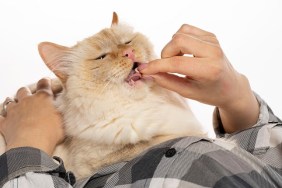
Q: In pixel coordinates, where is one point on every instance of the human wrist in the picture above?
(242, 112)
(44, 145)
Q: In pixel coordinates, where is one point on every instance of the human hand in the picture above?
(208, 76)
(33, 120)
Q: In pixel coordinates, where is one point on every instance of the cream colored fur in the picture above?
(106, 119)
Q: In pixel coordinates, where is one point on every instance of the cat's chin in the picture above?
(137, 79)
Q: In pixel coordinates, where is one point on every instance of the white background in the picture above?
(250, 32)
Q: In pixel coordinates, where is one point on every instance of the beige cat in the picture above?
(111, 113)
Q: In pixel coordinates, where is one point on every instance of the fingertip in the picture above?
(157, 66)
(185, 28)
(44, 85)
(56, 86)
(47, 79)
(147, 68)
(141, 67)
(152, 67)
(22, 93)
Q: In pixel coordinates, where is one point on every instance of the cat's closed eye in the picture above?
(127, 42)
(101, 57)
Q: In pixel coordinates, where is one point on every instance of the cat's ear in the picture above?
(53, 56)
(115, 19)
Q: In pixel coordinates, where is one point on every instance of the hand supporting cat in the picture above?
(31, 120)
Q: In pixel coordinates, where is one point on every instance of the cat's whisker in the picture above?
(105, 87)
(94, 67)
(114, 75)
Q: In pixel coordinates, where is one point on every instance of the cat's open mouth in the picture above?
(134, 75)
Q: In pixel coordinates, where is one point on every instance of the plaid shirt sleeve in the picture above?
(263, 140)
(31, 167)
(249, 158)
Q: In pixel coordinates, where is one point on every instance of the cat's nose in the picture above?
(129, 52)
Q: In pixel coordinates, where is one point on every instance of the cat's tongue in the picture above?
(133, 76)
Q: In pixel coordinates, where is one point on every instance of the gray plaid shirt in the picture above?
(182, 162)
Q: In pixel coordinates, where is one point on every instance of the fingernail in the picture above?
(142, 66)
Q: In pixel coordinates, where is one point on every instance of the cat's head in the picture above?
(104, 60)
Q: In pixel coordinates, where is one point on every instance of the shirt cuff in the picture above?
(18, 161)
(265, 116)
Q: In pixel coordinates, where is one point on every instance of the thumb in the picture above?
(180, 85)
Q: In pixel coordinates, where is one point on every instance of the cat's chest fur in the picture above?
(113, 127)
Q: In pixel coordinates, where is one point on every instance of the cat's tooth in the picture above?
(136, 70)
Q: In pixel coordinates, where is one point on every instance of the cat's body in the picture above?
(120, 123)
(110, 112)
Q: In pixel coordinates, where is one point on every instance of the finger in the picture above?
(189, 29)
(8, 104)
(56, 86)
(205, 38)
(187, 44)
(209, 39)
(1, 123)
(1, 120)
(189, 66)
(22, 93)
(44, 86)
(175, 83)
